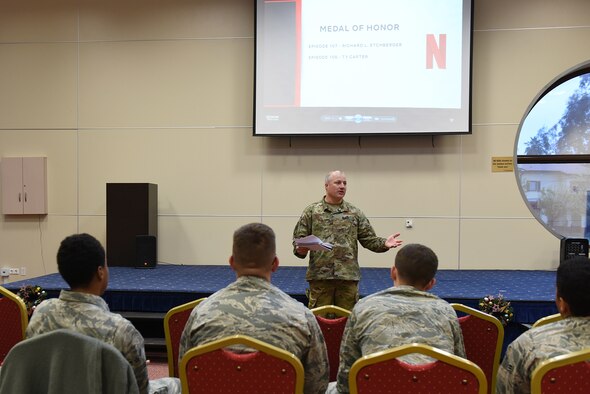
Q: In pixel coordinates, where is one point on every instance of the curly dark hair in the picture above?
(573, 276)
(78, 258)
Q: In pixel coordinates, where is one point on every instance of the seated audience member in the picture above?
(399, 315)
(571, 334)
(253, 306)
(81, 262)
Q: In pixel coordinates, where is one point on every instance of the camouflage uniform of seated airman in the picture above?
(341, 225)
(89, 314)
(394, 317)
(252, 306)
(536, 345)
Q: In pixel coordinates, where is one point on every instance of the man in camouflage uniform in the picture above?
(81, 263)
(554, 339)
(333, 275)
(402, 314)
(253, 306)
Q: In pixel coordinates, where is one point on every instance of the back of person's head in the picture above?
(573, 276)
(254, 246)
(416, 264)
(78, 259)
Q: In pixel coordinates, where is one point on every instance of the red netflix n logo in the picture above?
(436, 51)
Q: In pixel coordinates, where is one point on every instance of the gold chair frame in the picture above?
(173, 361)
(338, 311)
(548, 319)
(250, 343)
(24, 316)
(556, 362)
(430, 351)
(481, 315)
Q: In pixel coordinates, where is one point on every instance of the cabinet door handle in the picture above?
(19, 200)
(25, 197)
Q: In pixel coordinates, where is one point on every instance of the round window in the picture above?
(552, 154)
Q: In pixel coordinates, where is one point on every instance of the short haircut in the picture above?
(416, 264)
(254, 245)
(329, 175)
(573, 276)
(78, 259)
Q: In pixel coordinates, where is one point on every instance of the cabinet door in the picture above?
(34, 185)
(12, 185)
(24, 185)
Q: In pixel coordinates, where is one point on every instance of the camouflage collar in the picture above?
(253, 279)
(342, 207)
(409, 291)
(75, 296)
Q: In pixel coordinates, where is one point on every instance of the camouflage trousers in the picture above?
(342, 293)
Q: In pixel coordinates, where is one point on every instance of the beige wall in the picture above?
(161, 92)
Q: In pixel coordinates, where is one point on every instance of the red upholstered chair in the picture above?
(174, 323)
(13, 321)
(332, 330)
(382, 372)
(568, 373)
(212, 368)
(548, 319)
(483, 336)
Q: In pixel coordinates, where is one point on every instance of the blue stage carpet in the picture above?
(159, 289)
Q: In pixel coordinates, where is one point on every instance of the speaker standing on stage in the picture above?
(333, 275)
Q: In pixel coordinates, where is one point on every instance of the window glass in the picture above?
(552, 151)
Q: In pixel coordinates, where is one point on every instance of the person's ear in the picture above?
(232, 263)
(430, 284)
(393, 273)
(562, 306)
(100, 273)
(275, 264)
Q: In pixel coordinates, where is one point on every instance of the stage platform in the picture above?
(159, 289)
(153, 291)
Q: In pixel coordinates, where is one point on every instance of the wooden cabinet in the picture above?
(24, 185)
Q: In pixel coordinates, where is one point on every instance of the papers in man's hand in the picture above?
(313, 243)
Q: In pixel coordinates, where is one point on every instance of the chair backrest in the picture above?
(174, 322)
(548, 319)
(332, 329)
(382, 372)
(483, 336)
(64, 361)
(568, 373)
(264, 369)
(13, 321)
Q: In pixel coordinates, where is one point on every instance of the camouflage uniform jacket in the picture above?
(398, 316)
(252, 306)
(89, 314)
(341, 225)
(527, 351)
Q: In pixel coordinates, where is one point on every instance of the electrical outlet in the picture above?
(4, 272)
(14, 271)
(409, 223)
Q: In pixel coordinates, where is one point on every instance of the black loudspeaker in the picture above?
(573, 247)
(132, 210)
(145, 251)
